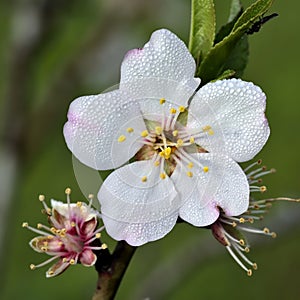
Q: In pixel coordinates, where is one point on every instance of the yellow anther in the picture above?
(98, 235)
(210, 132)
(162, 175)
(156, 163)
(190, 165)
(44, 249)
(242, 220)
(158, 130)
(67, 191)
(130, 130)
(175, 132)
(254, 266)
(173, 110)
(25, 224)
(162, 100)
(39, 225)
(73, 224)
(91, 196)
(32, 266)
(64, 260)
(167, 151)
(205, 169)
(192, 140)
(206, 128)
(242, 242)
(273, 235)
(53, 230)
(144, 178)
(104, 246)
(263, 188)
(189, 173)
(121, 138)
(79, 204)
(179, 142)
(72, 261)
(50, 273)
(249, 272)
(181, 109)
(41, 198)
(266, 230)
(234, 224)
(144, 133)
(49, 237)
(247, 249)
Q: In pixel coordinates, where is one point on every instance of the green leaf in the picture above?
(225, 75)
(203, 27)
(215, 62)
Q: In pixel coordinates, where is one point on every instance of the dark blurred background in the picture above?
(55, 50)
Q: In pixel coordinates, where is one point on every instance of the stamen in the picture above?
(233, 255)
(121, 138)
(175, 133)
(181, 109)
(156, 163)
(129, 129)
(144, 133)
(190, 165)
(162, 175)
(162, 101)
(179, 143)
(256, 163)
(205, 169)
(26, 225)
(189, 174)
(192, 140)
(173, 111)
(144, 178)
(33, 267)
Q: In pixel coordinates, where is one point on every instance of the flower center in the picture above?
(169, 143)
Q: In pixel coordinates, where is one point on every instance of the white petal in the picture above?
(137, 234)
(165, 56)
(94, 125)
(225, 185)
(125, 197)
(235, 111)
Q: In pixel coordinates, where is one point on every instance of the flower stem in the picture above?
(111, 273)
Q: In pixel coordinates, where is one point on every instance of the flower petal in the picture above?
(165, 56)
(58, 268)
(224, 185)
(96, 122)
(136, 194)
(137, 234)
(234, 109)
(87, 258)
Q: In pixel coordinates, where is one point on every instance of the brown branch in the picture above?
(110, 275)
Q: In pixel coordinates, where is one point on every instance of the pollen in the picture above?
(158, 130)
(192, 140)
(162, 101)
(173, 110)
(190, 165)
(181, 109)
(144, 178)
(156, 163)
(179, 142)
(189, 173)
(144, 133)
(175, 132)
(205, 169)
(121, 138)
(130, 130)
(67, 191)
(263, 188)
(162, 175)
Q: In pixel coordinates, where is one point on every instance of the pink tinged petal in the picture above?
(224, 185)
(47, 244)
(137, 234)
(166, 57)
(136, 194)
(235, 110)
(87, 258)
(88, 227)
(94, 125)
(57, 268)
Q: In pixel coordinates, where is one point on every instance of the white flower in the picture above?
(184, 167)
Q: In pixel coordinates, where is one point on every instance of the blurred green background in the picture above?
(55, 50)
